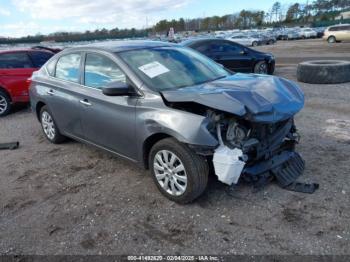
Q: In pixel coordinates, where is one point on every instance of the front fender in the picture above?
(156, 118)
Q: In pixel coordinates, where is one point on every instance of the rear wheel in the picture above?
(5, 104)
(261, 68)
(49, 127)
(255, 43)
(180, 174)
(332, 39)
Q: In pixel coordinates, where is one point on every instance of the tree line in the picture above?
(278, 15)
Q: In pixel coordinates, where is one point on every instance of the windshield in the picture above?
(166, 68)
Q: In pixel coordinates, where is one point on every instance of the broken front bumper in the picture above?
(286, 167)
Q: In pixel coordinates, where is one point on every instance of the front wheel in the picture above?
(332, 39)
(49, 127)
(261, 68)
(255, 43)
(5, 104)
(180, 174)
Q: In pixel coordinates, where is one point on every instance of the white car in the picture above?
(244, 40)
(308, 33)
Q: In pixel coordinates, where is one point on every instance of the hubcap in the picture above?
(170, 172)
(3, 104)
(48, 125)
(263, 69)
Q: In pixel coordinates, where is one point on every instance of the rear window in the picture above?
(15, 60)
(40, 58)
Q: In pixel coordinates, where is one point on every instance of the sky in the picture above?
(29, 17)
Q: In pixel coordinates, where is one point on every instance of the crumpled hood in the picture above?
(258, 98)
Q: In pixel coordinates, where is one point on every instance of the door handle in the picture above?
(50, 92)
(85, 102)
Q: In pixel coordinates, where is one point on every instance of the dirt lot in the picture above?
(74, 199)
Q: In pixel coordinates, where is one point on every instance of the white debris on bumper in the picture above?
(227, 164)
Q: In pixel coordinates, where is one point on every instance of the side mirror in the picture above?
(116, 89)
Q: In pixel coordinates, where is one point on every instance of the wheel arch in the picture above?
(331, 36)
(149, 143)
(38, 107)
(6, 92)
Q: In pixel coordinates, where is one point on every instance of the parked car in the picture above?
(320, 31)
(308, 33)
(171, 110)
(234, 56)
(244, 40)
(293, 35)
(16, 66)
(281, 34)
(264, 39)
(337, 33)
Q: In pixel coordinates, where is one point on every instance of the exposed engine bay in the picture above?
(255, 152)
(252, 118)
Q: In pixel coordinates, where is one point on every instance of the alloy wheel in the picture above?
(48, 125)
(331, 40)
(170, 172)
(3, 104)
(263, 68)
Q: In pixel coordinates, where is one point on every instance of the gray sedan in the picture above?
(173, 111)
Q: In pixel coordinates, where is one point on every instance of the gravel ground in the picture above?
(75, 199)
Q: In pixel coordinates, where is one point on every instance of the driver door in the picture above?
(108, 121)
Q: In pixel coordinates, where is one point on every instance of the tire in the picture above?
(261, 68)
(49, 127)
(255, 43)
(196, 171)
(331, 40)
(5, 104)
(324, 72)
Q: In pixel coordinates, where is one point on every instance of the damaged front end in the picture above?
(252, 118)
(257, 152)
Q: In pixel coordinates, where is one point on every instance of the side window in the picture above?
(15, 60)
(67, 67)
(40, 58)
(226, 48)
(100, 70)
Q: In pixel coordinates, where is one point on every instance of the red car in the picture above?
(16, 66)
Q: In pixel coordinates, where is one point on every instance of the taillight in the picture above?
(29, 81)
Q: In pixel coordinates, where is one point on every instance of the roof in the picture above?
(120, 46)
(22, 50)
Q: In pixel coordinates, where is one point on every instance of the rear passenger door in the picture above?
(108, 121)
(15, 69)
(63, 93)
